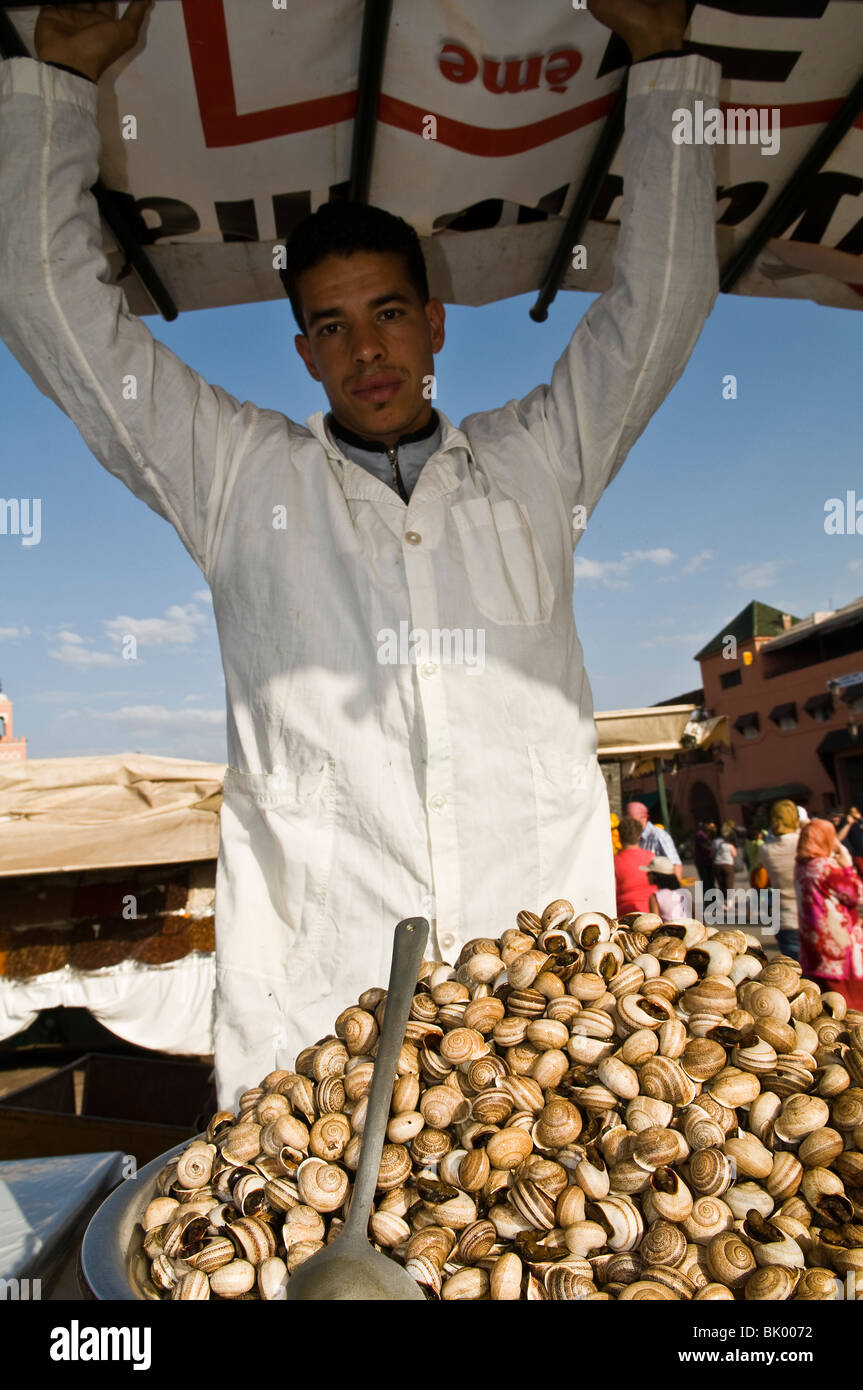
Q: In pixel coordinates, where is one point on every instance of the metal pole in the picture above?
(660, 788)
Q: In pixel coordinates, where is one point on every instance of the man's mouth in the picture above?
(376, 389)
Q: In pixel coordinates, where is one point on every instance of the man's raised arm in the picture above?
(633, 343)
(151, 420)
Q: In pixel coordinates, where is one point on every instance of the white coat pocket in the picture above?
(283, 825)
(505, 568)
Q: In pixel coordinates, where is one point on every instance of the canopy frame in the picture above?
(113, 213)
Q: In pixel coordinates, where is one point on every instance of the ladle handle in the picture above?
(408, 945)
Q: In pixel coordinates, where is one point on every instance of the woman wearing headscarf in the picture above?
(828, 896)
(778, 857)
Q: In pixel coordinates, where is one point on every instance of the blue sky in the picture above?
(720, 502)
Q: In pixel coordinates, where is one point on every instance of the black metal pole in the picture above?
(373, 47)
(784, 205)
(110, 208)
(600, 163)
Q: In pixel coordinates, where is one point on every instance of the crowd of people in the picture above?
(815, 865)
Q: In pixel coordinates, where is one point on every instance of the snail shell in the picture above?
(785, 1176)
(159, 1212)
(558, 1123)
(744, 1197)
(711, 1172)
(647, 1110)
(709, 1217)
(800, 1115)
(649, 1290)
(733, 1087)
(639, 1047)
(729, 1260)
(194, 1285)
(271, 1105)
(772, 1283)
(622, 1220)
(505, 1278)
(403, 1127)
(441, 1106)
(762, 1112)
(476, 1241)
(619, 1077)
(667, 1197)
(663, 1244)
(817, 1286)
(664, 1079)
(711, 1293)
(749, 1154)
(232, 1280)
(242, 1142)
(563, 1283)
(321, 1185)
(330, 1096)
(329, 1136)
(273, 1280)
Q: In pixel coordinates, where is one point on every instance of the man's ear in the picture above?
(303, 346)
(436, 317)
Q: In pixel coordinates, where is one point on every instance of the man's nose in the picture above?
(367, 345)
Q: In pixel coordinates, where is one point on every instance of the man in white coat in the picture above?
(367, 783)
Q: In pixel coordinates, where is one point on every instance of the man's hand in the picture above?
(88, 37)
(646, 26)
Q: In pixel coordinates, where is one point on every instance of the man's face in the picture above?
(371, 342)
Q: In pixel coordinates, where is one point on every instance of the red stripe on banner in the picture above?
(223, 126)
(494, 144)
(211, 66)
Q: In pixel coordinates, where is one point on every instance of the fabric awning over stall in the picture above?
(651, 731)
(65, 814)
(476, 120)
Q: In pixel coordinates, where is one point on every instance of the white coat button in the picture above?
(429, 670)
(447, 940)
(413, 537)
(437, 803)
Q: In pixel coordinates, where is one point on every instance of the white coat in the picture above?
(361, 791)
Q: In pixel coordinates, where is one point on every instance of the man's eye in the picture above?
(325, 331)
(396, 312)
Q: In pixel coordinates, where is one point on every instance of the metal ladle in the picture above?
(350, 1268)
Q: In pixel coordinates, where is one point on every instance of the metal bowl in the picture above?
(112, 1264)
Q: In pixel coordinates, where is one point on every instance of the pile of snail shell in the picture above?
(586, 1108)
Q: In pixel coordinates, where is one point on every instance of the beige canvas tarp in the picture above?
(65, 814)
(643, 732)
(231, 120)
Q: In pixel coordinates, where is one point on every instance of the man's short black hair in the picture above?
(340, 229)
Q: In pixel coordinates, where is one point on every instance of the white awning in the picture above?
(65, 814)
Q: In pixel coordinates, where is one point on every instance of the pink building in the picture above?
(792, 692)
(12, 750)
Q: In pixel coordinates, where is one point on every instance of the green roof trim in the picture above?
(755, 620)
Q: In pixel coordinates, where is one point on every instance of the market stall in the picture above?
(107, 867)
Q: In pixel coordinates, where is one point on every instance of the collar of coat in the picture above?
(441, 477)
(373, 446)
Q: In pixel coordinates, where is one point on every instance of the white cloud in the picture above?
(9, 634)
(203, 596)
(699, 562)
(73, 651)
(660, 556)
(179, 626)
(158, 716)
(856, 567)
(669, 639)
(613, 573)
(757, 576)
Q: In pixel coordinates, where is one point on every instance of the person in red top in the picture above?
(633, 889)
